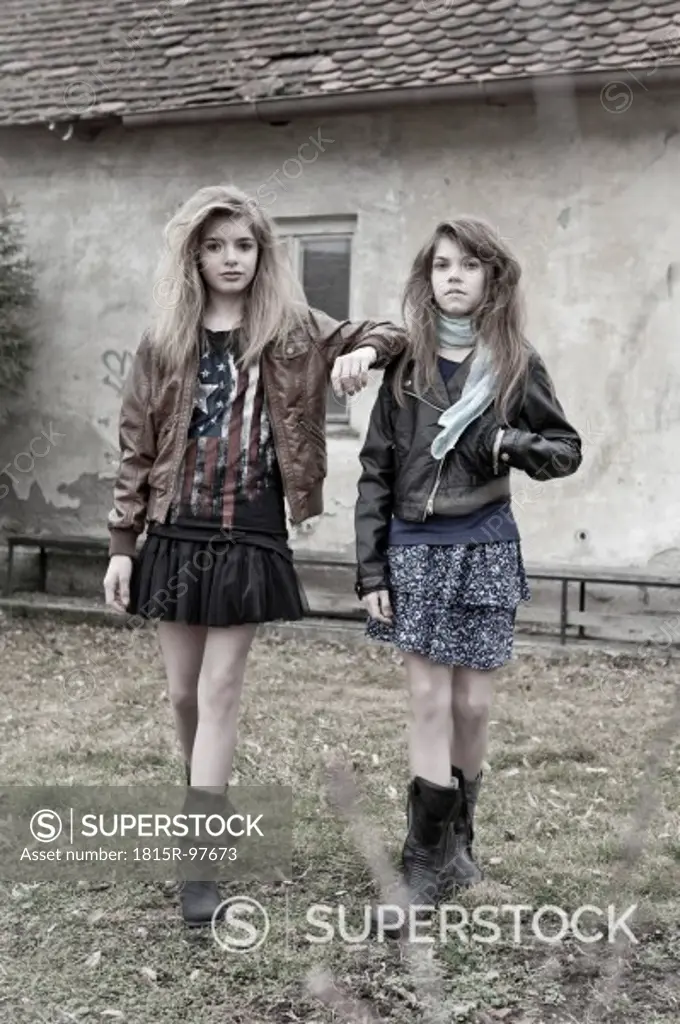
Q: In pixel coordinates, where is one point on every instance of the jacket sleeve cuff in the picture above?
(495, 451)
(369, 586)
(513, 446)
(388, 343)
(122, 542)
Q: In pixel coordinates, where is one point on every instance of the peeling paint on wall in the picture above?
(89, 496)
(65, 487)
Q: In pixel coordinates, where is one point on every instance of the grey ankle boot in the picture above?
(199, 901)
(200, 896)
(458, 866)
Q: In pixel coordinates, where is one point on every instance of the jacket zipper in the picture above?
(312, 431)
(185, 407)
(430, 501)
(419, 398)
(272, 422)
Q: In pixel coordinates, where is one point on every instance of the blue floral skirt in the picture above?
(456, 604)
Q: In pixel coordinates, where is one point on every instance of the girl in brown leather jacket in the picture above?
(222, 425)
(439, 561)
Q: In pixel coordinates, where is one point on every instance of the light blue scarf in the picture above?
(478, 391)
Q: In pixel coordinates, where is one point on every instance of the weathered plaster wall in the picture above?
(587, 199)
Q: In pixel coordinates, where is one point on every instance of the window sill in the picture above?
(335, 428)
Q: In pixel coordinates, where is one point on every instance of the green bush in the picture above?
(17, 304)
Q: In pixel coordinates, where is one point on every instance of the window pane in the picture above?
(325, 279)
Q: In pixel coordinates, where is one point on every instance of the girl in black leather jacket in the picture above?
(440, 567)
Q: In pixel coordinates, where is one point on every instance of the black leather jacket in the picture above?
(400, 477)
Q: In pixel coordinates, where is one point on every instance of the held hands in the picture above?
(350, 372)
(378, 606)
(117, 582)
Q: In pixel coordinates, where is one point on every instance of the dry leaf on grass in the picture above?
(94, 959)
(349, 1010)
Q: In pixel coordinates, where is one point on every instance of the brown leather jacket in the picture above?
(156, 410)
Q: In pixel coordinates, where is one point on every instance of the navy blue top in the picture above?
(492, 522)
(447, 368)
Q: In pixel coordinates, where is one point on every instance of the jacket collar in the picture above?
(441, 394)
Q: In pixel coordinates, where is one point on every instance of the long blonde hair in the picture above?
(499, 319)
(273, 305)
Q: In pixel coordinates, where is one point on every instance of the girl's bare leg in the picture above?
(452, 732)
(430, 692)
(471, 694)
(219, 693)
(182, 649)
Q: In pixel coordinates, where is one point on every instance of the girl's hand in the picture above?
(350, 372)
(117, 582)
(378, 606)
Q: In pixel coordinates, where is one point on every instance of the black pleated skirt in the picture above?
(215, 582)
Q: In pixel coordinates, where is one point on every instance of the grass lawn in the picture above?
(581, 805)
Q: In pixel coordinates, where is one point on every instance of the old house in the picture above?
(359, 123)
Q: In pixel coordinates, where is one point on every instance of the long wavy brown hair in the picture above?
(273, 305)
(498, 320)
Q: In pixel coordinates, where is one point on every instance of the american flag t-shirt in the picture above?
(230, 474)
